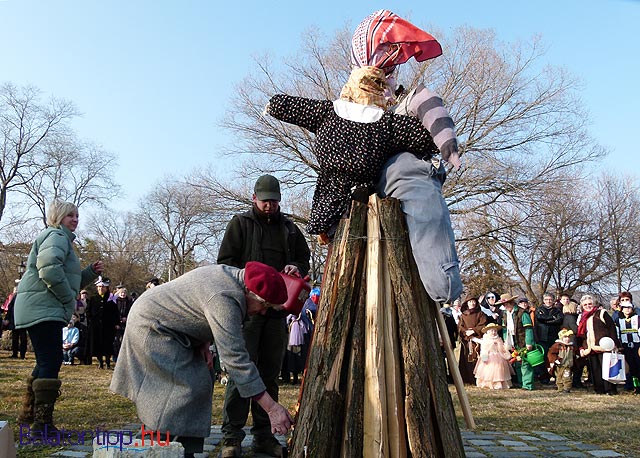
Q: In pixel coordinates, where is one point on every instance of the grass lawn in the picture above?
(608, 421)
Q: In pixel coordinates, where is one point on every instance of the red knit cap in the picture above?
(266, 282)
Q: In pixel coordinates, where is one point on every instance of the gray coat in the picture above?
(160, 367)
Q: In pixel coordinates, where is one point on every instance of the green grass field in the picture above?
(86, 403)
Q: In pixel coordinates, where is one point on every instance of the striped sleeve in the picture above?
(429, 108)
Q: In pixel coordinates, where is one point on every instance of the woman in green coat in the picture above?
(45, 301)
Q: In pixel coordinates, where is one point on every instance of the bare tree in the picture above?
(78, 172)
(26, 123)
(577, 237)
(131, 254)
(618, 208)
(184, 219)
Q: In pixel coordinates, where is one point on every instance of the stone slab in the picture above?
(512, 443)
(551, 436)
(603, 453)
(71, 454)
(481, 442)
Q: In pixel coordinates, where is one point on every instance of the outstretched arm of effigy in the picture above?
(306, 113)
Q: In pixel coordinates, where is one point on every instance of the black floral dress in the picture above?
(350, 153)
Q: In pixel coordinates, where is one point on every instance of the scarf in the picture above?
(511, 329)
(385, 40)
(582, 326)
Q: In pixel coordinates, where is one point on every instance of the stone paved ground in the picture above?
(477, 444)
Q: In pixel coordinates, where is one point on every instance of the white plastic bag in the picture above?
(613, 367)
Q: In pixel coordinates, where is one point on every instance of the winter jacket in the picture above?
(275, 241)
(599, 325)
(244, 241)
(161, 367)
(547, 324)
(560, 355)
(50, 285)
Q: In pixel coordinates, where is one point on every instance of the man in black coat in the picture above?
(102, 316)
(547, 325)
(266, 235)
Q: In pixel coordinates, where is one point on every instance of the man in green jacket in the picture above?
(266, 235)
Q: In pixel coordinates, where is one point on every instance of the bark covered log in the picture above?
(402, 408)
(432, 427)
(319, 424)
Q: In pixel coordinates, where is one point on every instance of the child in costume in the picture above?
(493, 370)
(560, 360)
(628, 324)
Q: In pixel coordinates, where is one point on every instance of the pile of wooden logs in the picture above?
(375, 384)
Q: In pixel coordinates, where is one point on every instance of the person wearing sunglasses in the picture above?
(593, 325)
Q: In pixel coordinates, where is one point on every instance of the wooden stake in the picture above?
(432, 427)
(455, 373)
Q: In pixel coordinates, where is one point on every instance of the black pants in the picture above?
(600, 385)
(46, 338)
(578, 368)
(19, 342)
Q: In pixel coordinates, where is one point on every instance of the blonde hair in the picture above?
(570, 308)
(58, 209)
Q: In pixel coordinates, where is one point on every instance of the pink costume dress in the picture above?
(493, 370)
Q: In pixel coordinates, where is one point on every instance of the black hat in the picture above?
(267, 188)
(154, 281)
(523, 299)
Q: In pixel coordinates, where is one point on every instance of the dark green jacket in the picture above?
(243, 242)
(50, 285)
(523, 328)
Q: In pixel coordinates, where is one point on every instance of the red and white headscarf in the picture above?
(385, 40)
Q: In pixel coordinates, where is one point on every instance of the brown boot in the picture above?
(46, 392)
(25, 416)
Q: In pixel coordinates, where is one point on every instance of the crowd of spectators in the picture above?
(569, 340)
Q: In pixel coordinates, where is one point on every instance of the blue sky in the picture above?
(153, 78)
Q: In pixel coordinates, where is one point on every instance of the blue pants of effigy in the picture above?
(417, 184)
